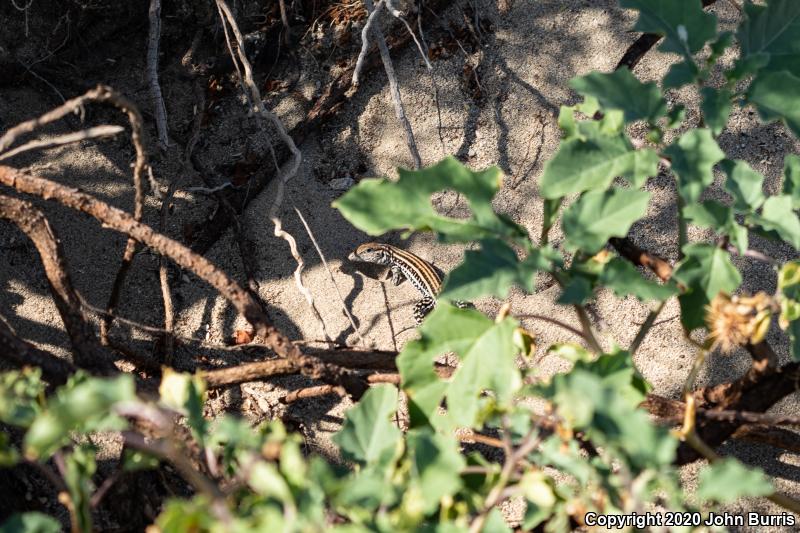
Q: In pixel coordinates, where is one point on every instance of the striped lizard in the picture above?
(425, 277)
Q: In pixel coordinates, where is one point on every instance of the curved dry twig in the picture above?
(121, 221)
(88, 352)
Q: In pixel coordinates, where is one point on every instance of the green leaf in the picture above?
(378, 205)
(727, 480)
(777, 97)
(592, 163)
(716, 108)
(471, 335)
(599, 215)
(772, 30)
(705, 271)
(495, 523)
(791, 178)
(32, 522)
(437, 466)
(83, 404)
(693, 157)
(744, 184)
(19, 394)
(622, 91)
(778, 215)
(744, 67)
(679, 74)
(623, 278)
(683, 23)
(718, 47)
(618, 372)
(709, 214)
(576, 291)
(676, 116)
(719, 217)
(494, 269)
(368, 435)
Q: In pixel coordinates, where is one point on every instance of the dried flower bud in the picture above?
(738, 320)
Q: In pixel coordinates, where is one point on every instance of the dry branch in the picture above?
(118, 220)
(69, 138)
(399, 111)
(249, 372)
(88, 353)
(153, 39)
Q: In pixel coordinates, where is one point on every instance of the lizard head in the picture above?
(371, 252)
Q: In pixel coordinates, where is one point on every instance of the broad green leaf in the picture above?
(566, 121)
(683, 23)
(495, 523)
(181, 515)
(494, 269)
(601, 399)
(471, 335)
(746, 66)
(621, 90)
(791, 178)
(716, 108)
(778, 215)
(577, 290)
(693, 157)
(32, 522)
(623, 278)
(378, 205)
(368, 434)
(83, 404)
(599, 215)
(679, 74)
(719, 217)
(727, 480)
(772, 30)
(705, 271)
(473, 376)
(592, 163)
(265, 480)
(437, 466)
(709, 214)
(618, 372)
(777, 97)
(744, 184)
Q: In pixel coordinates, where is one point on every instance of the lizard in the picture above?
(425, 277)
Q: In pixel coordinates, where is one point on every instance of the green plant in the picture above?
(611, 457)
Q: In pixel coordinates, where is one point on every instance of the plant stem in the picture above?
(645, 328)
(683, 237)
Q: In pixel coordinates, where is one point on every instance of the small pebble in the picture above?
(472, 152)
(342, 184)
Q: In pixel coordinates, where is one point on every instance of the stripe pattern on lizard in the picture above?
(403, 265)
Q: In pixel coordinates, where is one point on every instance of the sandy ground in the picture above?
(529, 55)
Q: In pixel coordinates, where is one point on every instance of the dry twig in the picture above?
(153, 39)
(394, 90)
(69, 138)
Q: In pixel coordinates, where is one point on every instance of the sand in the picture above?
(527, 58)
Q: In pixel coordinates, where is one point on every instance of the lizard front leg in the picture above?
(422, 308)
(396, 275)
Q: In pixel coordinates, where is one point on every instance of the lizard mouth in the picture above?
(354, 257)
